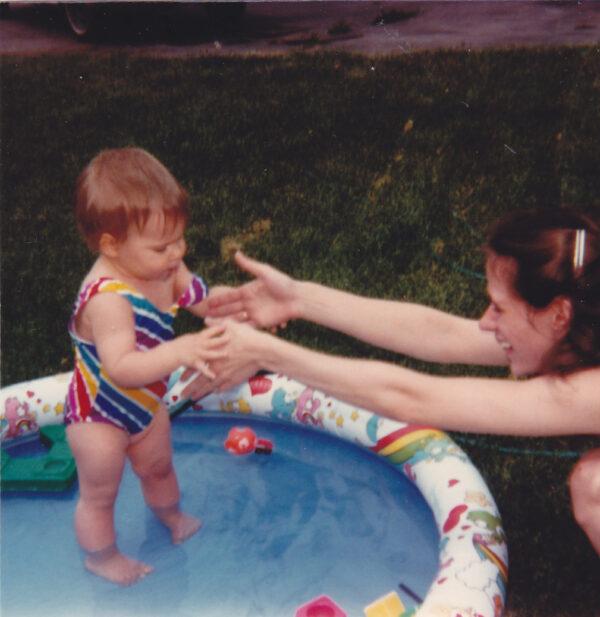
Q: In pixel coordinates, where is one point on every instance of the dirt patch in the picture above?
(275, 27)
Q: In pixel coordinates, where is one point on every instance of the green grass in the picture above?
(378, 176)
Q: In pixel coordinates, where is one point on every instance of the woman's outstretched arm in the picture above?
(545, 405)
(418, 331)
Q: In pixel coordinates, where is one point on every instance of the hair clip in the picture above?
(579, 252)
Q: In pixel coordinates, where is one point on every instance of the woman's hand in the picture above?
(198, 388)
(243, 353)
(268, 301)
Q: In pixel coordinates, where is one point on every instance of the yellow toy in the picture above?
(389, 605)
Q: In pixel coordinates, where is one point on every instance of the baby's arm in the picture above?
(200, 309)
(113, 332)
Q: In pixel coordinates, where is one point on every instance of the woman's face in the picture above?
(528, 336)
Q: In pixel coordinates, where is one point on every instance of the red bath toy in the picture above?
(243, 440)
(323, 606)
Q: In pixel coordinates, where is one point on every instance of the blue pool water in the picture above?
(317, 516)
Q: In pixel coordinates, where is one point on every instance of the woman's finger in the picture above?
(197, 386)
(187, 373)
(218, 341)
(221, 308)
(242, 317)
(224, 386)
(217, 321)
(195, 392)
(251, 266)
(214, 330)
(216, 354)
(228, 296)
(205, 369)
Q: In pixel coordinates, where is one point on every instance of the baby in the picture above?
(131, 212)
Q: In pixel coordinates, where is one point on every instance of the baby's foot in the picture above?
(182, 525)
(116, 567)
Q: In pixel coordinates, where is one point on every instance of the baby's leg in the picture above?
(585, 495)
(151, 457)
(100, 453)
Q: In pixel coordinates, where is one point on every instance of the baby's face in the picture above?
(155, 251)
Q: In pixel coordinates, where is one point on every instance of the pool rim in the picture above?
(473, 557)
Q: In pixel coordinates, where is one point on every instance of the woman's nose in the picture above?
(487, 321)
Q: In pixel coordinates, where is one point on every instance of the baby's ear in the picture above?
(108, 245)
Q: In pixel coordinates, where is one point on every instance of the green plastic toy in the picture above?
(53, 471)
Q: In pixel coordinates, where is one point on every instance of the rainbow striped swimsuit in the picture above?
(92, 396)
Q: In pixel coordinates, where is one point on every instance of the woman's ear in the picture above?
(108, 245)
(562, 308)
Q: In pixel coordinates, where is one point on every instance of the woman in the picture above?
(543, 321)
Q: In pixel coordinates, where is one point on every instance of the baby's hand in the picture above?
(199, 348)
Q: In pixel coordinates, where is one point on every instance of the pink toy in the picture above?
(19, 420)
(323, 606)
(243, 440)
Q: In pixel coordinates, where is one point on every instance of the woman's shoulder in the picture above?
(588, 381)
(586, 378)
(576, 393)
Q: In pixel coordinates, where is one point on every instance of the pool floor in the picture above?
(317, 516)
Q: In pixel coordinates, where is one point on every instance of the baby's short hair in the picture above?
(124, 186)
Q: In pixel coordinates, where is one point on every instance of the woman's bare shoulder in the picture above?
(576, 395)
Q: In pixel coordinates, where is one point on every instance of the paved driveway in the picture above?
(277, 27)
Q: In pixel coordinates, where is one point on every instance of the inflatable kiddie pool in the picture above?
(468, 574)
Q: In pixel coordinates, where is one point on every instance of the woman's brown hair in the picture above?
(557, 253)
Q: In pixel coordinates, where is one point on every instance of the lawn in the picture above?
(376, 176)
